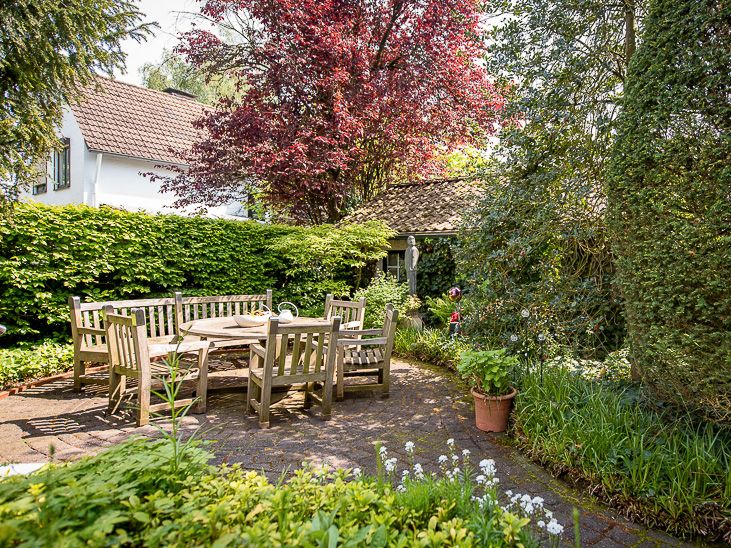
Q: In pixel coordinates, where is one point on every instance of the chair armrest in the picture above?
(360, 332)
(258, 349)
(378, 341)
(90, 331)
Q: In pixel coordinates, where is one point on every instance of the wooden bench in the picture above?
(162, 317)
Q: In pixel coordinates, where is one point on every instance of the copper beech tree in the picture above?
(335, 99)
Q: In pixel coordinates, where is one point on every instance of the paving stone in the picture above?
(426, 406)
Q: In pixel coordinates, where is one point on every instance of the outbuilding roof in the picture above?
(422, 208)
(121, 118)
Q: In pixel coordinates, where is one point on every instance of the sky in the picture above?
(172, 17)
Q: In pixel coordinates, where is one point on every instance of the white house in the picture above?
(115, 134)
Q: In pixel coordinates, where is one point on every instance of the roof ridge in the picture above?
(456, 179)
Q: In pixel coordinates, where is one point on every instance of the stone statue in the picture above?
(412, 258)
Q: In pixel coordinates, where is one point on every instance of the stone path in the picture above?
(426, 406)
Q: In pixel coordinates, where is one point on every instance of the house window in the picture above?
(395, 264)
(59, 166)
(41, 186)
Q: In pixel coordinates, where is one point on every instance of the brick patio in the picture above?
(426, 406)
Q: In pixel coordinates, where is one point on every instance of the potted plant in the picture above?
(488, 374)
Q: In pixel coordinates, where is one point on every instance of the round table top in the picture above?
(227, 328)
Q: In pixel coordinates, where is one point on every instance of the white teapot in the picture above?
(285, 314)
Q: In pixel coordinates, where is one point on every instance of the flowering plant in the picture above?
(487, 371)
(477, 493)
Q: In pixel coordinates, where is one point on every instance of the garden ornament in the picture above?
(412, 258)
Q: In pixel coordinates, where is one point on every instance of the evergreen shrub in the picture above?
(48, 253)
(670, 204)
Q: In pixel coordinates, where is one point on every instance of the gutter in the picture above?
(93, 200)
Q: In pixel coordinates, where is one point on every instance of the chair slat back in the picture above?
(127, 341)
(351, 313)
(195, 308)
(304, 343)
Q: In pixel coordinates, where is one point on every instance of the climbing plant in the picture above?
(670, 204)
(538, 241)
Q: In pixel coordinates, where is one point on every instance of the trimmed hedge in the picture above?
(670, 204)
(48, 253)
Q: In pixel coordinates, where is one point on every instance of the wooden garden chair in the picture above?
(88, 335)
(369, 357)
(294, 354)
(132, 357)
(351, 313)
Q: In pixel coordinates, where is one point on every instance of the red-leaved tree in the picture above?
(336, 99)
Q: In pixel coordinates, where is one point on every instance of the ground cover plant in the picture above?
(33, 361)
(661, 469)
(140, 493)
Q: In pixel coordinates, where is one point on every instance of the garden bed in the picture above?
(145, 492)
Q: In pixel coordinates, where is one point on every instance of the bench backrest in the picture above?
(195, 308)
(161, 316)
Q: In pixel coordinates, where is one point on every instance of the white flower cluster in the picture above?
(532, 507)
(390, 464)
(418, 471)
(485, 478)
(485, 502)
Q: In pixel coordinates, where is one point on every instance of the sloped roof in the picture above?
(429, 207)
(122, 118)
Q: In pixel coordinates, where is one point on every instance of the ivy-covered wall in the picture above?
(670, 204)
(436, 272)
(48, 253)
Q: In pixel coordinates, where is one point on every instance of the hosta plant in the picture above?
(487, 371)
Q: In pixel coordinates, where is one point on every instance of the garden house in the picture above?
(429, 209)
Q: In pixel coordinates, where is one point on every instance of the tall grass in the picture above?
(661, 469)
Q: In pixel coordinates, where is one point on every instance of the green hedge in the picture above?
(670, 204)
(48, 253)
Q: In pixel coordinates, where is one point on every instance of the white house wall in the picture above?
(77, 157)
(119, 183)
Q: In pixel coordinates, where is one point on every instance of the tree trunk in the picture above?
(630, 36)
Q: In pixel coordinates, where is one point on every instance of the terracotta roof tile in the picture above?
(121, 118)
(428, 207)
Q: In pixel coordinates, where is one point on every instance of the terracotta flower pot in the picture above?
(492, 412)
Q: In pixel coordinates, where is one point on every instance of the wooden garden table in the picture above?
(227, 328)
